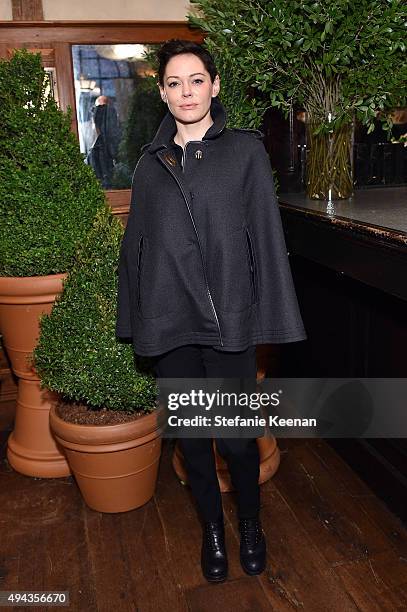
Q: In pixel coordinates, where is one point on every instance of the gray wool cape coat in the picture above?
(203, 259)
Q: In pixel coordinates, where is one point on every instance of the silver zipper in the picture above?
(183, 157)
(199, 244)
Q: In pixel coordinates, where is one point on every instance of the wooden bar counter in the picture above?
(349, 263)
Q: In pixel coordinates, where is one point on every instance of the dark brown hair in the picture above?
(176, 47)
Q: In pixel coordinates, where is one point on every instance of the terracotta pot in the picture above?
(22, 301)
(269, 462)
(115, 466)
(31, 447)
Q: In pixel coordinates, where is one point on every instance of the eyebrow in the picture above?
(171, 76)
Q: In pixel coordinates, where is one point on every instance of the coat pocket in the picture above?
(139, 264)
(252, 266)
(159, 290)
(231, 279)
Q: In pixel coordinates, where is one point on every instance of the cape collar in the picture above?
(168, 128)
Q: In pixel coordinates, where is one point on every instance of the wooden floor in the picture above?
(332, 545)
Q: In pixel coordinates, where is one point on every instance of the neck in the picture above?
(192, 131)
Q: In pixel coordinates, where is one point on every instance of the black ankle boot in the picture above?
(213, 558)
(252, 546)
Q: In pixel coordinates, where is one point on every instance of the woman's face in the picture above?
(188, 89)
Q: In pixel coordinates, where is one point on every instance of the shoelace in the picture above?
(214, 536)
(251, 531)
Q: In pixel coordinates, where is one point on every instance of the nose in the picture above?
(186, 90)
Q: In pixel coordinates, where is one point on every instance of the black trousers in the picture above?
(241, 455)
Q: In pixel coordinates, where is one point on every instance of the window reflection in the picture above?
(118, 108)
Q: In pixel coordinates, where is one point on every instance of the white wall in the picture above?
(93, 10)
(5, 10)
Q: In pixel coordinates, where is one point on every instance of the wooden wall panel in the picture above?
(27, 10)
(47, 55)
(65, 80)
(102, 32)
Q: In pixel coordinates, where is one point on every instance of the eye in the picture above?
(198, 80)
(172, 83)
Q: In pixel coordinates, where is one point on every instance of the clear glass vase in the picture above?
(329, 163)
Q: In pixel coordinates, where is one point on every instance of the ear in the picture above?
(162, 93)
(216, 86)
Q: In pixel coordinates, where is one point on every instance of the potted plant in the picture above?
(337, 59)
(48, 201)
(107, 418)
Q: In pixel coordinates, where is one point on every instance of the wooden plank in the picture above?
(65, 81)
(3, 443)
(27, 10)
(119, 200)
(149, 559)
(47, 54)
(131, 569)
(179, 523)
(342, 473)
(43, 543)
(297, 576)
(365, 257)
(244, 595)
(377, 584)
(372, 506)
(332, 519)
(391, 526)
(8, 387)
(7, 414)
(85, 32)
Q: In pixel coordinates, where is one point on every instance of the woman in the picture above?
(204, 275)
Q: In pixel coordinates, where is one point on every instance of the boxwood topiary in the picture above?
(78, 354)
(48, 195)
